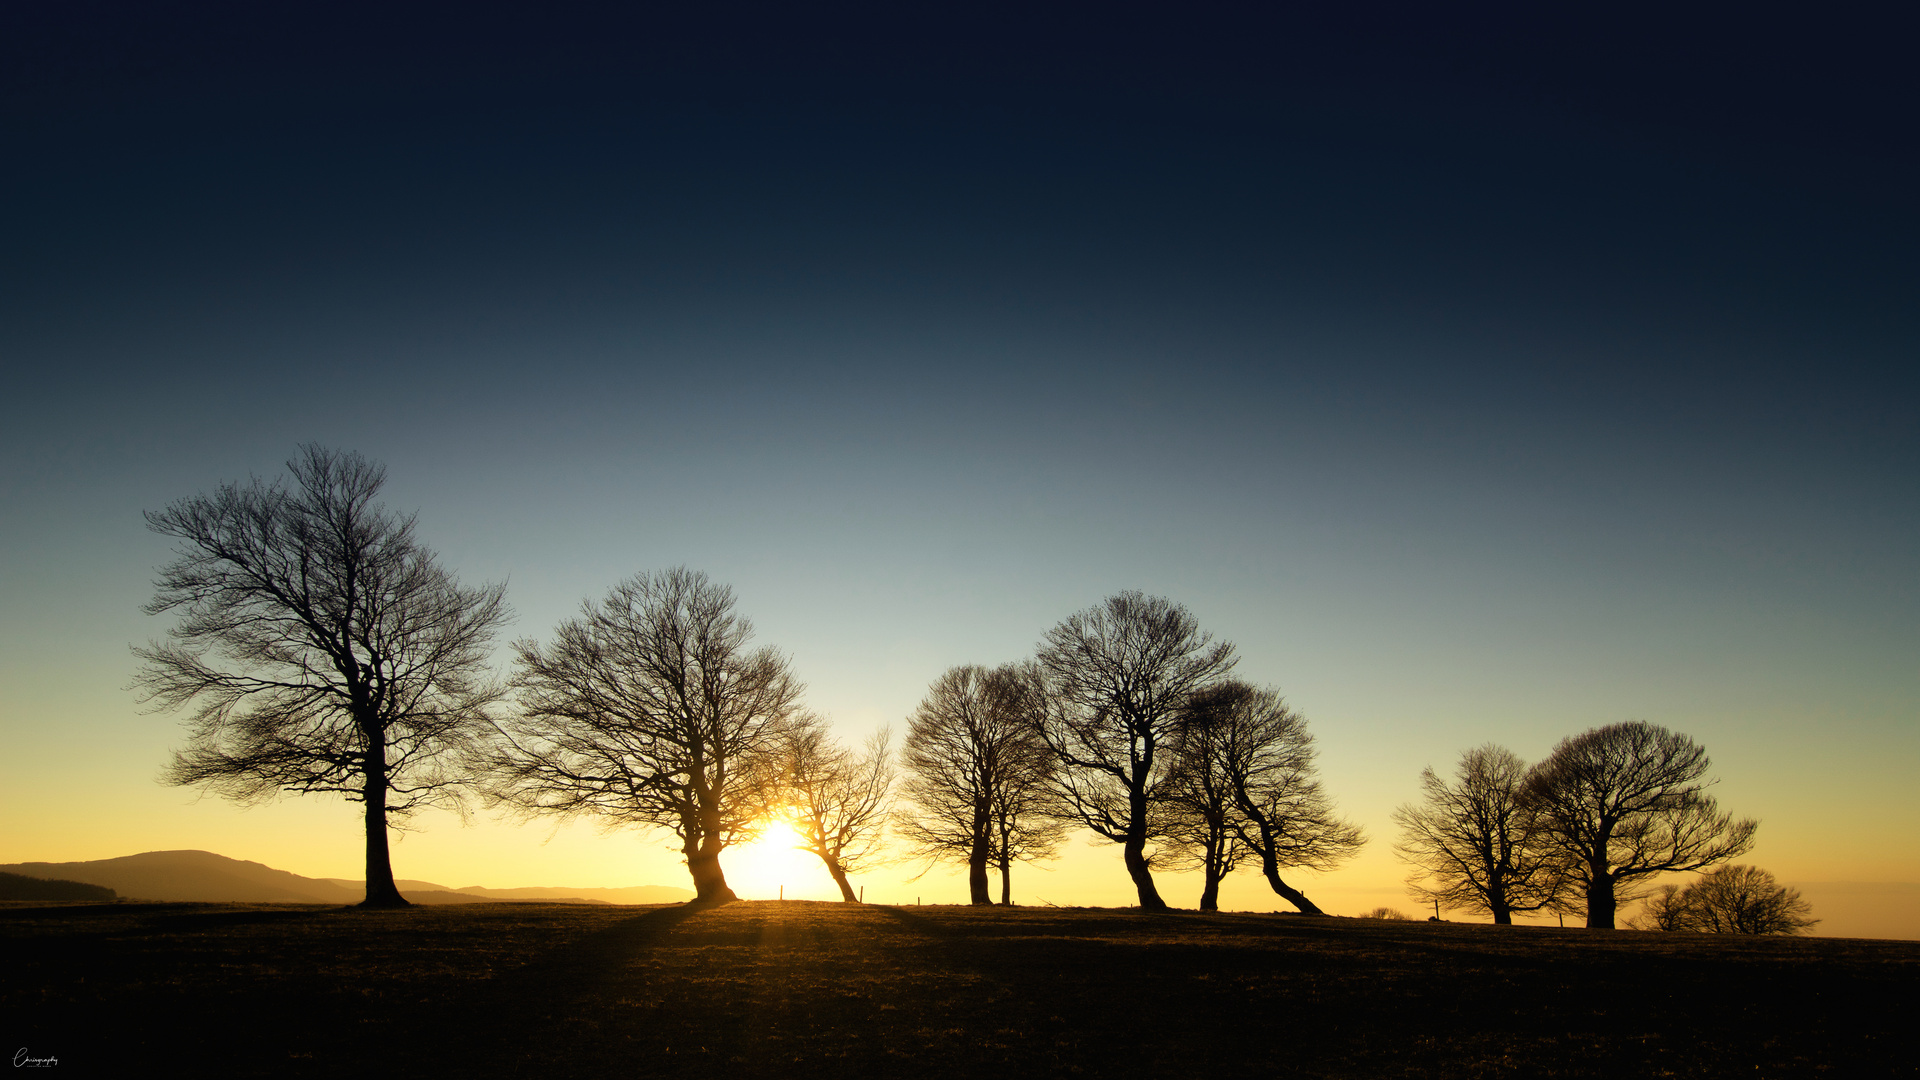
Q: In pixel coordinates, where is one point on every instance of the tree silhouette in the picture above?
(1198, 817)
(1665, 909)
(650, 710)
(1625, 802)
(838, 800)
(1026, 819)
(1732, 899)
(1117, 676)
(1258, 751)
(322, 649)
(1477, 844)
(977, 776)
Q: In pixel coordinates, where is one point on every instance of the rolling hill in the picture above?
(205, 877)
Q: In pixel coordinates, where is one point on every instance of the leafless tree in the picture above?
(1665, 909)
(1117, 676)
(1026, 819)
(838, 800)
(1732, 899)
(1263, 755)
(977, 775)
(650, 709)
(1198, 817)
(1476, 845)
(321, 648)
(1625, 802)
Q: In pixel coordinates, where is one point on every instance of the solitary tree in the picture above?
(1262, 754)
(1625, 802)
(838, 800)
(976, 776)
(649, 709)
(1476, 845)
(1730, 900)
(1117, 677)
(321, 648)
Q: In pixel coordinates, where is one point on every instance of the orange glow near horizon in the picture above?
(773, 865)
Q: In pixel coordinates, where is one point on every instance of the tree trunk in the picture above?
(977, 891)
(1600, 901)
(1006, 882)
(709, 880)
(1287, 892)
(381, 891)
(1212, 863)
(840, 879)
(1502, 916)
(1135, 852)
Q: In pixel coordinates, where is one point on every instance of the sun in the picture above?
(773, 866)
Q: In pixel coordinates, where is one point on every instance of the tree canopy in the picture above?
(838, 800)
(1258, 753)
(1476, 844)
(321, 648)
(976, 783)
(1117, 677)
(1628, 801)
(1731, 899)
(650, 709)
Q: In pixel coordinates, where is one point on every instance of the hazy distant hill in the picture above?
(208, 878)
(420, 892)
(636, 894)
(21, 887)
(193, 875)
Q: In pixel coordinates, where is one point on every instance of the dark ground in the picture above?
(806, 989)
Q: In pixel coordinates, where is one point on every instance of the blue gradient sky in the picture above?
(1482, 380)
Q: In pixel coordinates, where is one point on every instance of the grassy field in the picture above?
(808, 989)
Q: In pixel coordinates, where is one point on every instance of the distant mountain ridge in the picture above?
(202, 876)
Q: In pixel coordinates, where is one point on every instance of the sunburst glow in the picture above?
(773, 866)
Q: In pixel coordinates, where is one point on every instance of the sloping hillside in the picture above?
(21, 887)
(193, 875)
(636, 894)
(202, 876)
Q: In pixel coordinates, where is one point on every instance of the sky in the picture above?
(1487, 375)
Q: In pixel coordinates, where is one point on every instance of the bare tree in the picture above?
(1263, 755)
(1476, 844)
(1026, 818)
(839, 801)
(1198, 815)
(977, 776)
(649, 709)
(1665, 909)
(1625, 802)
(1732, 899)
(1117, 676)
(322, 649)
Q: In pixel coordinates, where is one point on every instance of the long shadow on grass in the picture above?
(518, 1013)
(205, 920)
